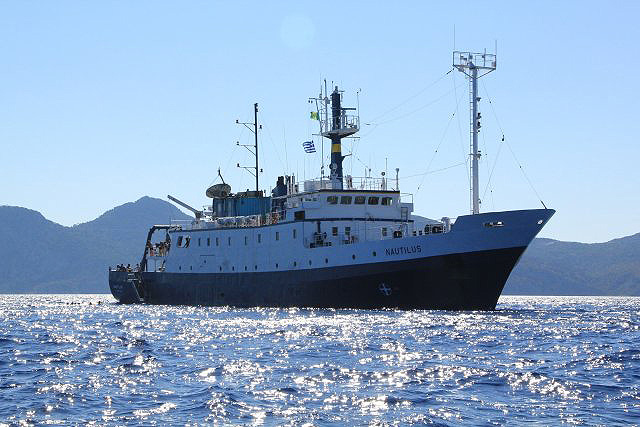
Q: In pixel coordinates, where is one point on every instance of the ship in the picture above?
(337, 241)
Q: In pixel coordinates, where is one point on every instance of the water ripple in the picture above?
(78, 359)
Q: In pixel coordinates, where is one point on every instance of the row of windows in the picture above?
(295, 263)
(347, 231)
(183, 242)
(360, 200)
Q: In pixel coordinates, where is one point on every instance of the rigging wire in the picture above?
(233, 152)
(417, 109)
(273, 144)
(412, 96)
(464, 154)
(495, 162)
(444, 134)
(433, 171)
(455, 113)
(486, 162)
(422, 107)
(510, 149)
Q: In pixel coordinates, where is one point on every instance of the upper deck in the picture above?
(361, 199)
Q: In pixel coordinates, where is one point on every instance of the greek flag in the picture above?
(308, 147)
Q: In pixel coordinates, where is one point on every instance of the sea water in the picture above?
(83, 359)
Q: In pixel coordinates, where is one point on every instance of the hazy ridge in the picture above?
(40, 256)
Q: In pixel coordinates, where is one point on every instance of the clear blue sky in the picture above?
(104, 102)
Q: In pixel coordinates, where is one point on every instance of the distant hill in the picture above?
(551, 267)
(40, 256)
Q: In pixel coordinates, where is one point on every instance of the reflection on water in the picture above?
(84, 359)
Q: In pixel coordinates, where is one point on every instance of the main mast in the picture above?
(340, 125)
(474, 66)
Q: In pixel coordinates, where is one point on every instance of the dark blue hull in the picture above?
(122, 288)
(465, 281)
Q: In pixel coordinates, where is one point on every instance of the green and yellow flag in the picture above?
(314, 115)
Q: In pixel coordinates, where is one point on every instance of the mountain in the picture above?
(40, 256)
(551, 267)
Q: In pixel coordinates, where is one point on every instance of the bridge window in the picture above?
(332, 200)
(386, 201)
(373, 200)
(360, 200)
(345, 200)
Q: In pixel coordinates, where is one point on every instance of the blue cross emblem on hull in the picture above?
(386, 290)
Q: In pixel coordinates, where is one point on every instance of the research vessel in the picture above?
(333, 242)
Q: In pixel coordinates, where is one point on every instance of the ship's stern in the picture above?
(123, 287)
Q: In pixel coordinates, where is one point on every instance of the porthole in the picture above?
(295, 263)
(255, 267)
(180, 267)
(353, 256)
(220, 268)
(245, 268)
(233, 268)
(276, 265)
(309, 262)
(326, 260)
(191, 267)
(374, 253)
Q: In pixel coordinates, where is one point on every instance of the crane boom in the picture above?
(196, 212)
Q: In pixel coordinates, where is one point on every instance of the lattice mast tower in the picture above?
(474, 66)
(335, 126)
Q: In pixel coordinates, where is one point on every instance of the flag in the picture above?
(308, 147)
(314, 115)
